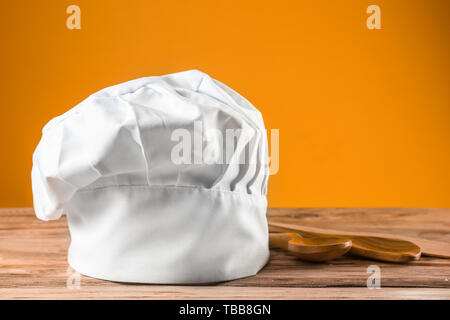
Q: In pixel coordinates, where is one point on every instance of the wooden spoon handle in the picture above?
(280, 240)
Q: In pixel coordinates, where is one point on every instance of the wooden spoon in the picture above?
(311, 249)
(377, 248)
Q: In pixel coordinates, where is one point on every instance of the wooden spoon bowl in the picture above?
(310, 249)
(384, 249)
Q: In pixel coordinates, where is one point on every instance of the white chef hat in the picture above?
(153, 187)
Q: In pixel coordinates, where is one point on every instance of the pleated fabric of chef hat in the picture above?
(163, 180)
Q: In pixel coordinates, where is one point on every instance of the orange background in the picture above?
(364, 115)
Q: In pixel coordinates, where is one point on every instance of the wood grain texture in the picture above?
(33, 262)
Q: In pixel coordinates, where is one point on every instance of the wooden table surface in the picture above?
(33, 263)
